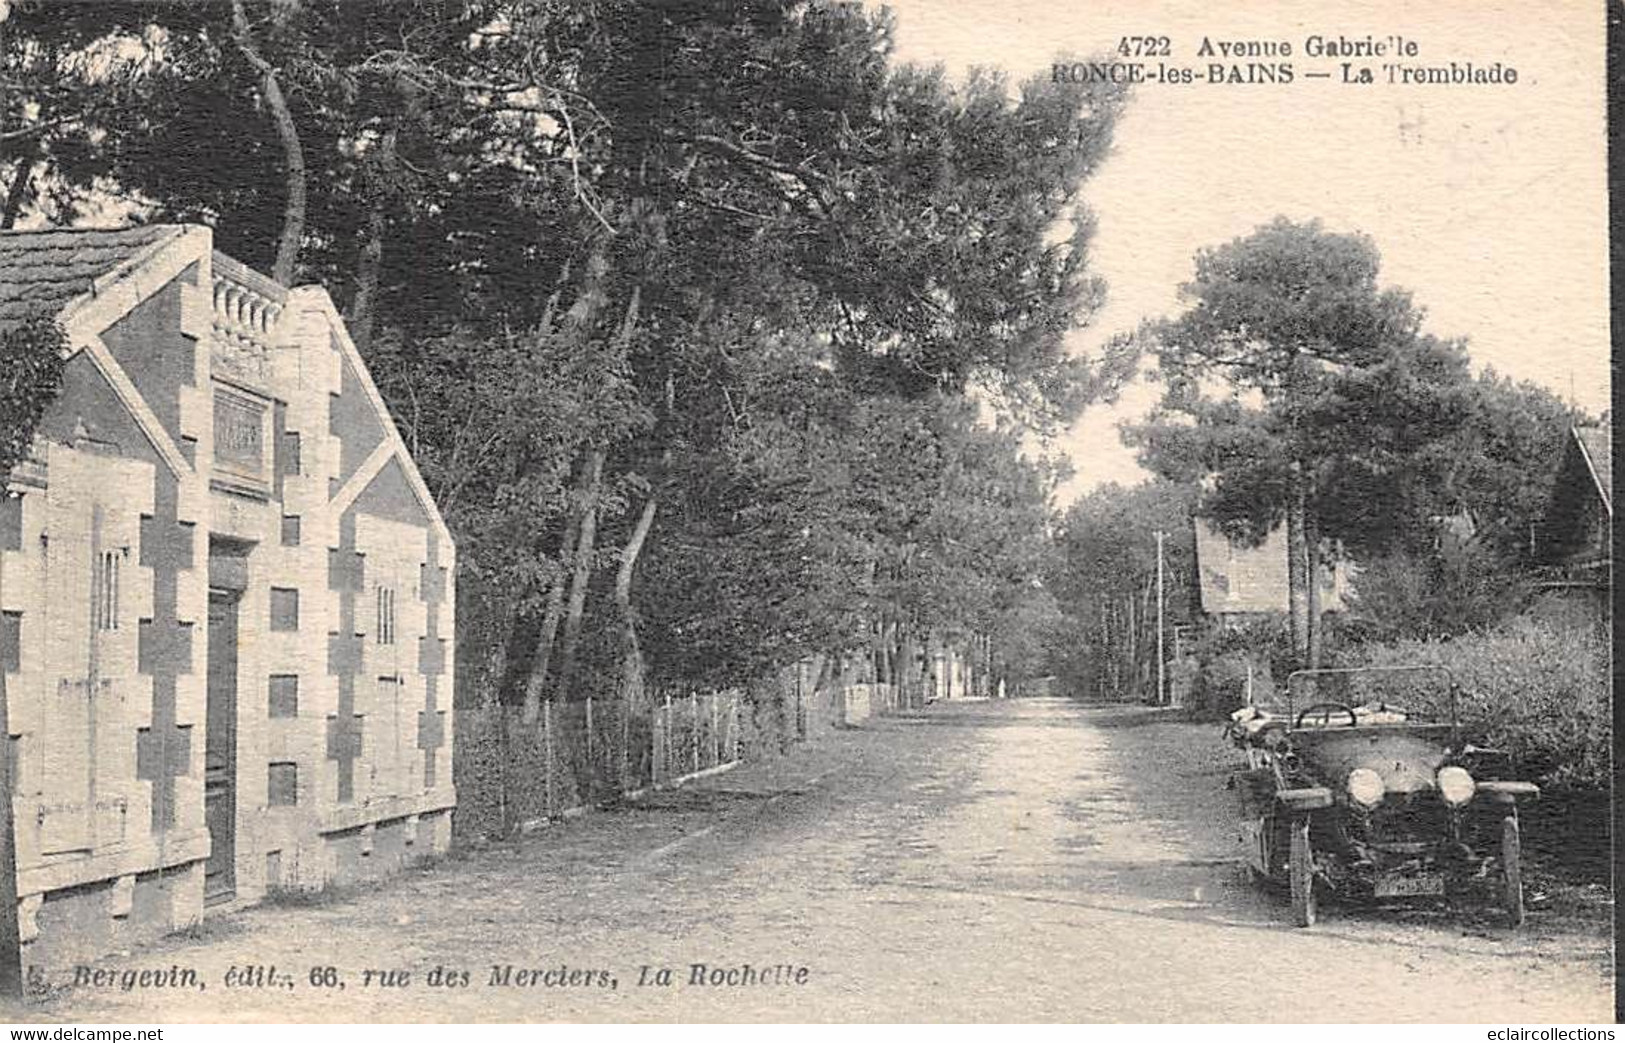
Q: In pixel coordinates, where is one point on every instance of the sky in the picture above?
(1489, 203)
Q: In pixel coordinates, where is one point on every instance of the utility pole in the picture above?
(1161, 669)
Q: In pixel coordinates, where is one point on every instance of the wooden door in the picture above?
(220, 751)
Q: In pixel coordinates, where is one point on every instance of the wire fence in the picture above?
(517, 769)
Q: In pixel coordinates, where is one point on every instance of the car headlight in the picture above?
(1455, 785)
(1365, 787)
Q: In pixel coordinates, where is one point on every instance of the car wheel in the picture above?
(1302, 875)
(1512, 870)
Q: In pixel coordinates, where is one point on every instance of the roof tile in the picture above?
(42, 271)
(1599, 449)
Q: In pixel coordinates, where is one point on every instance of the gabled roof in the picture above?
(1582, 493)
(89, 278)
(317, 298)
(1597, 448)
(42, 271)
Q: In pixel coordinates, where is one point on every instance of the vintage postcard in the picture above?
(803, 511)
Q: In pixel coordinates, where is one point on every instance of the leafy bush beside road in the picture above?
(1537, 691)
(1224, 655)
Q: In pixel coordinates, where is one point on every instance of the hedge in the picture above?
(1536, 690)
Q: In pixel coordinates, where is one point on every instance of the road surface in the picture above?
(1030, 860)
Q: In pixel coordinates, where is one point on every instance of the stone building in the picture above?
(1238, 582)
(1577, 544)
(225, 600)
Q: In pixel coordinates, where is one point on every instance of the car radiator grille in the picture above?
(1406, 821)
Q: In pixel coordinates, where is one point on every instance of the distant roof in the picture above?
(41, 271)
(1238, 578)
(1596, 445)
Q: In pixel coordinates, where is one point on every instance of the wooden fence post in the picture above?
(665, 753)
(547, 753)
(654, 743)
(626, 743)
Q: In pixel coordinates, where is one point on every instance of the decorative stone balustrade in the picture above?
(243, 308)
(247, 307)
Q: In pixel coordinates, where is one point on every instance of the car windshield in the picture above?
(1343, 696)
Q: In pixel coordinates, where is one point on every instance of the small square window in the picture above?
(290, 530)
(11, 642)
(284, 608)
(284, 700)
(282, 784)
(290, 453)
(11, 521)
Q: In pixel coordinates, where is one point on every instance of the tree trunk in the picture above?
(1312, 547)
(368, 264)
(1146, 669)
(293, 207)
(582, 572)
(496, 667)
(632, 690)
(379, 173)
(1131, 652)
(905, 676)
(883, 650)
(17, 192)
(1103, 662)
(895, 662)
(552, 613)
(629, 554)
(1297, 568)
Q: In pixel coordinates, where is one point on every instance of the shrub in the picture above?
(1537, 691)
(1456, 590)
(1222, 654)
(1221, 683)
(1182, 676)
(31, 354)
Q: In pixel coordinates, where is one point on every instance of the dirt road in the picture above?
(1012, 861)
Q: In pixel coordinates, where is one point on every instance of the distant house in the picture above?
(1237, 582)
(1576, 547)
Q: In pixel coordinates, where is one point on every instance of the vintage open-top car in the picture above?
(1368, 802)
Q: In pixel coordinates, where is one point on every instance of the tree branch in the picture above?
(33, 130)
(293, 210)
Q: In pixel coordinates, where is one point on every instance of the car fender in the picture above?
(1508, 791)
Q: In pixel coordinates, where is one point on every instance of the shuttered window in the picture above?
(386, 616)
(104, 590)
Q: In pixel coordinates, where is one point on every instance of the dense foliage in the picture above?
(1105, 578)
(31, 354)
(716, 332)
(1302, 392)
(1538, 690)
